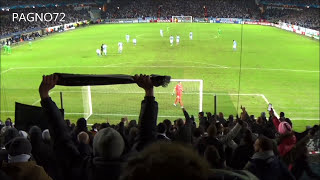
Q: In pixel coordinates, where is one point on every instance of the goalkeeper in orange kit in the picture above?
(178, 89)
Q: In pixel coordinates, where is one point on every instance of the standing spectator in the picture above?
(264, 164)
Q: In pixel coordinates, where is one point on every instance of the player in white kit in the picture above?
(177, 39)
(234, 45)
(171, 40)
(190, 35)
(134, 41)
(98, 51)
(161, 32)
(120, 47)
(128, 38)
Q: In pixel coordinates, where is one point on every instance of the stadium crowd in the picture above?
(167, 9)
(301, 2)
(244, 147)
(305, 18)
(5, 3)
(8, 26)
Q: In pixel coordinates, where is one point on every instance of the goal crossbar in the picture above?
(87, 92)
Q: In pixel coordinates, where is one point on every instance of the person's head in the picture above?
(161, 128)
(263, 114)
(19, 146)
(166, 161)
(281, 114)
(35, 134)
(220, 115)
(247, 137)
(284, 128)
(23, 134)
(212, 130)
(230, 118)
(263, 144)
(197, 132)
(94, 127)
(83, 138)
(108, 143)
(82, 124)
(46, 135)
(168, 124)
(259, 121)
(9, 134)
(68, 122)
(7, 122)
(133, 123)
(233, 40)
(180, 123)
(134, 131)
(201, 114)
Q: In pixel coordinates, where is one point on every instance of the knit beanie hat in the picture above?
(46, 135)
(18, 146)
(23, 134)
(108, 143)
(284, 127)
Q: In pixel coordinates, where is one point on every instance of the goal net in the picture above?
(185, 19)
(115, 101)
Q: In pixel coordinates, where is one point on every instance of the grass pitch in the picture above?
(277, 67)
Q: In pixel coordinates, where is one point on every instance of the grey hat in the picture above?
(108, 143)
(18, 146)
(46, 135)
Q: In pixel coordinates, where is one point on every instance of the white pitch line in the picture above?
(266, 100)
(36, 102)
(176, 67)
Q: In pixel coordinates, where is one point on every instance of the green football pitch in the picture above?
(277, 67)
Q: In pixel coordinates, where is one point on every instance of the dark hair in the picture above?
(161, 128)
(265, 143)
(168, 123)
(247, 136)
(212, 130)
(281, 114)
(201, 113)
(180, 122)
(166, 161)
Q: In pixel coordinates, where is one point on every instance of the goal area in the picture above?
(116, 101)
(181, 19)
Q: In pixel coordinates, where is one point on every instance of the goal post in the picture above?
(183, 19)
(125, 100)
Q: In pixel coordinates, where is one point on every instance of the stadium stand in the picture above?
(216, 148)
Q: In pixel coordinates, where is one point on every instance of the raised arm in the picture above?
(148, 113)
(58, 128)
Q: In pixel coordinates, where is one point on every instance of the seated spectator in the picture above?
(264, 164)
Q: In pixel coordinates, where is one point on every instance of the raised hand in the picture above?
(48, 83)
(144, 81)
